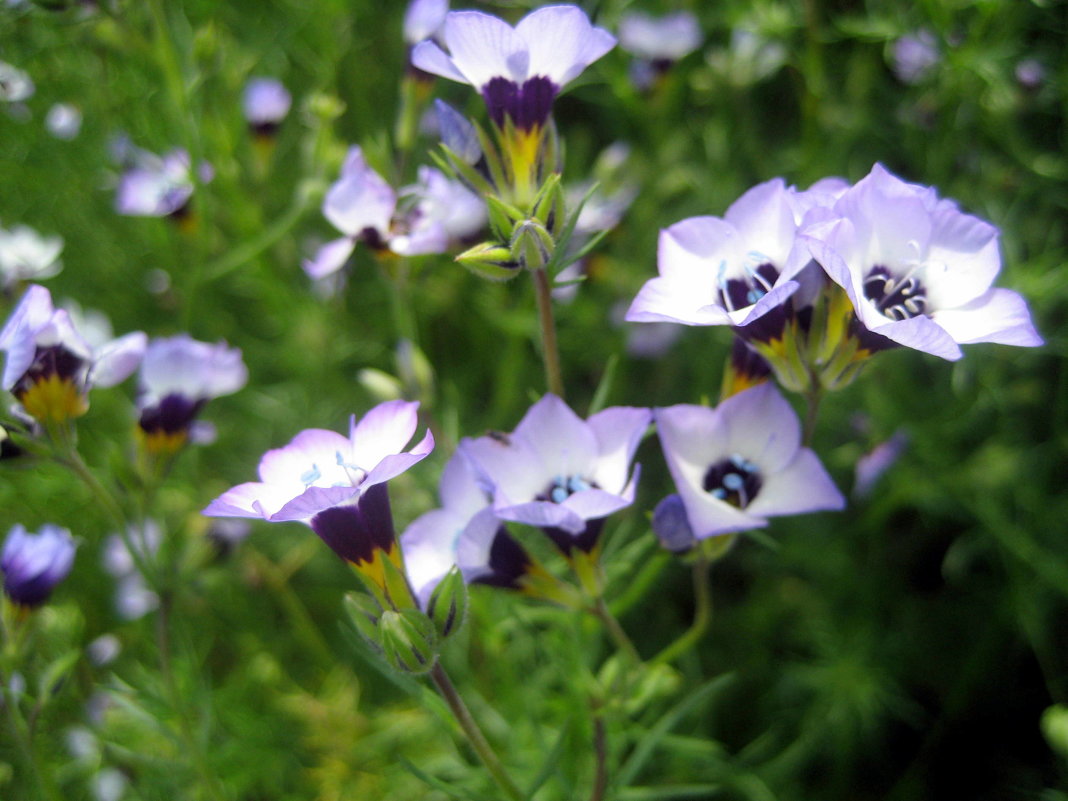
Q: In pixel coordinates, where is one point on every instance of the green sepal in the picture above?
(532, 246)
(503, 217)
(455, 167)
(398, 589)
(409, 640)
(364, 612)
(447, 607)
(490, 260)
(549, 205)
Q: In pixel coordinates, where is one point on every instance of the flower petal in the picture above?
(330, 258)
(1000, 315)
(802, 486)
(483, 47)
(562, 42)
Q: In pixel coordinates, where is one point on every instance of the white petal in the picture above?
(762, 427)
(802, 486)
(118, 359)
(428, 57)
(561, 42)
(1000, 315)
(483, 47)
(360, 199)
(383, 431)
(330, 258)
(564, 443)
(618, 430)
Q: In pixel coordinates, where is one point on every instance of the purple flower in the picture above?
(423, 19)
(917, 269)
(158, 186)
(335, 484)
(33, 564)
(561, 473)
(1030, 73)
(50, 367)
(519, 71)
(736, 271)
(265, 102)
(742, 462)
(660, 40)
(426, 218)
(464, 532)
(915, 55)
(178, 376)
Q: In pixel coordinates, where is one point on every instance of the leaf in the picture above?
(438, 784)
(600, 397)
(695, 792)
(56, 672)
(552, 762)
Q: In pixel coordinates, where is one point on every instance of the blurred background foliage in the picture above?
(914, 646)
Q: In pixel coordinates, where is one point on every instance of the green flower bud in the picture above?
(364, 613)
(447, 607)
(490, 260)
(532, 246)
(409, 640)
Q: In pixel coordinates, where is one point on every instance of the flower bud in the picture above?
(447, 606)
(672, 526)
(409, 640)
(532, 246)
(364, 613)
(490, 260)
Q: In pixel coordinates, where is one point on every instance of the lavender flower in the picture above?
(25, 255)
(64, 121)
(423, 19)
(33, 564)
(178, 376)
(50, 366)
(742, 462)
(657, 42)
(915, 55)
(917, 270)
(561, 473)
(519, 71)
(158, 186)
(265, 102)
(336, 484)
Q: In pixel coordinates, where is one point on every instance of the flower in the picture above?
(915, 55)
(464, 532)
(133, 597)
(732, 271)
(871, 466)
(178, 376)
(265, 102)
(64, 121)
(917, 270)
(561, 473)
(742, 462)
(425, 218)
(50, 367)
(33, 564)
(660, 40)
(335, 484)
(1030, 73)
(26, 255)
(158, 186)
(519, 71)
(423, 19)
(15, 85)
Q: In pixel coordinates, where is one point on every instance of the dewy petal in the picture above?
(562, 42)
(564, 443)
(1000, 315)
(762, 426)
(618, 430)
(330, 258)
(802, 486)
(116, 360)
(483, 47)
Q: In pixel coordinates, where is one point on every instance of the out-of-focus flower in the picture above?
(871, 466)
(917, 270)
(133, 598)
(671, 525)
(742, 462)
(519, 71)
(25, 255)
(1030, 73)
(158, 186)
(15, 85)
(559, 472)
(463, 532)
(50, 366)
(64, 121)
(266, 102)
(104, 649)
(423, 19)
(178, 376)
(457, 133)
(337, 484)
(33, 564)
(915, 55)
(426, 217)
(657, 42)
(749, 58)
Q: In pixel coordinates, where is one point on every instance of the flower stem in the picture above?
(549, 352)
(702, 615)
(615, 631)
(812, 410)
(474, 733)
(600, 751)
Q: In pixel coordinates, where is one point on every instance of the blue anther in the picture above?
(577, 484)
(719, 493)
(733, 482)
(559, 494)
(309, 477)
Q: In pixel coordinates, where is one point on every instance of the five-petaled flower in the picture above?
(178, 376)
(519, 71)
(742, 462)
(336, 484)
(50, 366)
(464, 532)
(559, 472)
(917, 269)
(33, 564)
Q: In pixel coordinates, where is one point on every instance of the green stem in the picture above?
(615, 631)
(549, 352)
(600, 750)
(474, 733)
(812, 411)
(646, 579)
(701, 618)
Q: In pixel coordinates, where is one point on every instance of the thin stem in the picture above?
(550, 354)
(474, 733)
(615, 631)
(641, 584)
(702, 615)
(600, 751)
(812, 410)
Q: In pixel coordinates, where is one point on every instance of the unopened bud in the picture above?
(672, 525)
(532, 246)
(364, 613)
(409, 640)
(415, 370)
(490, 260)
(447, 606)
